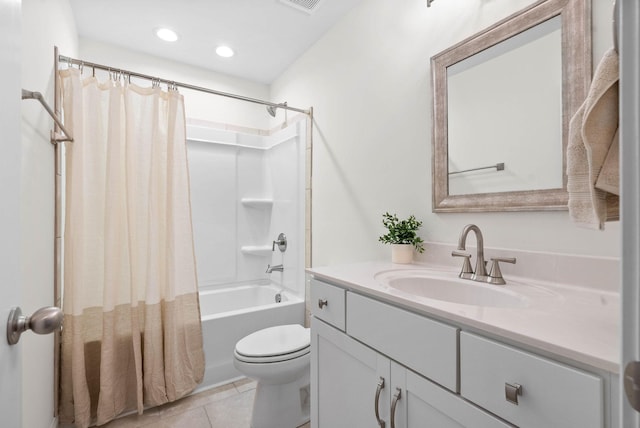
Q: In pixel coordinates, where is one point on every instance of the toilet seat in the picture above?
(274, 344)
(272, 359)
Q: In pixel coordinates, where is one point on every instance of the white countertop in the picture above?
(580, 324)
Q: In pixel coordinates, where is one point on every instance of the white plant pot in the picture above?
(401, 253)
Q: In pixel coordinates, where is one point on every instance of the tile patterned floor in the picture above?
(228, 406)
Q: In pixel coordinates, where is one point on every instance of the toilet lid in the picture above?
(274, 341)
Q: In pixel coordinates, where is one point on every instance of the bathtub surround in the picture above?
(247, 188)
(132, 335)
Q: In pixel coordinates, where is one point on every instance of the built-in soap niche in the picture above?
(261, 207)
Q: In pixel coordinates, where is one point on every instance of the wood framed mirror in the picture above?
(502, 102)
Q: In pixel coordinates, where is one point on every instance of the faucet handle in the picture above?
(466, 271)
(281, 242)
(495, 274)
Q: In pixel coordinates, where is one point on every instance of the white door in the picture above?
(629, 19)
(10, 92)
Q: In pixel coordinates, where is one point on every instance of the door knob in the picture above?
(43, 321)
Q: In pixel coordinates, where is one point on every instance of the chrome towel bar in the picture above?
(499, 167)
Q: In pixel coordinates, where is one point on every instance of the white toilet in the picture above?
(278, 359)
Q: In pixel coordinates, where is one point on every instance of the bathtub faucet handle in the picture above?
(281, 242)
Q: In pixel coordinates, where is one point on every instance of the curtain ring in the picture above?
(81, 68)
(93, 71)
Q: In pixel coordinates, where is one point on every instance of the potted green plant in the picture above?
(401, 234)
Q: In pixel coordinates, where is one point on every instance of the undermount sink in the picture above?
(437, 285)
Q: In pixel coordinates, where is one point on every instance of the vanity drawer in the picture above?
(552, 394)
(425, 346)
(328, 303)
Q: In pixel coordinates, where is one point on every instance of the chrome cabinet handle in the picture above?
(377, 401)
(396, 398)
(322, 303)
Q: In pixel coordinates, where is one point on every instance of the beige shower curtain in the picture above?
(132, 335)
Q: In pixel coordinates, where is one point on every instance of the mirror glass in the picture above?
(502, 103)
(526, 141)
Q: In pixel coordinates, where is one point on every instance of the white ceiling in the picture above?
(267, 35)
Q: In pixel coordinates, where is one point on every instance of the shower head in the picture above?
(272, 110)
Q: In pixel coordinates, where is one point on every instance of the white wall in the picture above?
(45, 23)
(368, 79)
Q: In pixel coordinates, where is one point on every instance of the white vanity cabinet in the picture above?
(352, 381)
(368, 356)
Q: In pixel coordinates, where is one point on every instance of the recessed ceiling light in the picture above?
(166, 34)
(224, 51)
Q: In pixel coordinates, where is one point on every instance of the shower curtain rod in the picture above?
(93, 65)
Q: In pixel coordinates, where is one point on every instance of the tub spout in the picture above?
(278, 268)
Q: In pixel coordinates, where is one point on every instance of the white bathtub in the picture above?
(229, 314)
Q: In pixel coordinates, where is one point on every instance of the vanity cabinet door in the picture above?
(344, 380)
(423, 404)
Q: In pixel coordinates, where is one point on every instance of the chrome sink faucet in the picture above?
(480, 274)
(278, 268)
